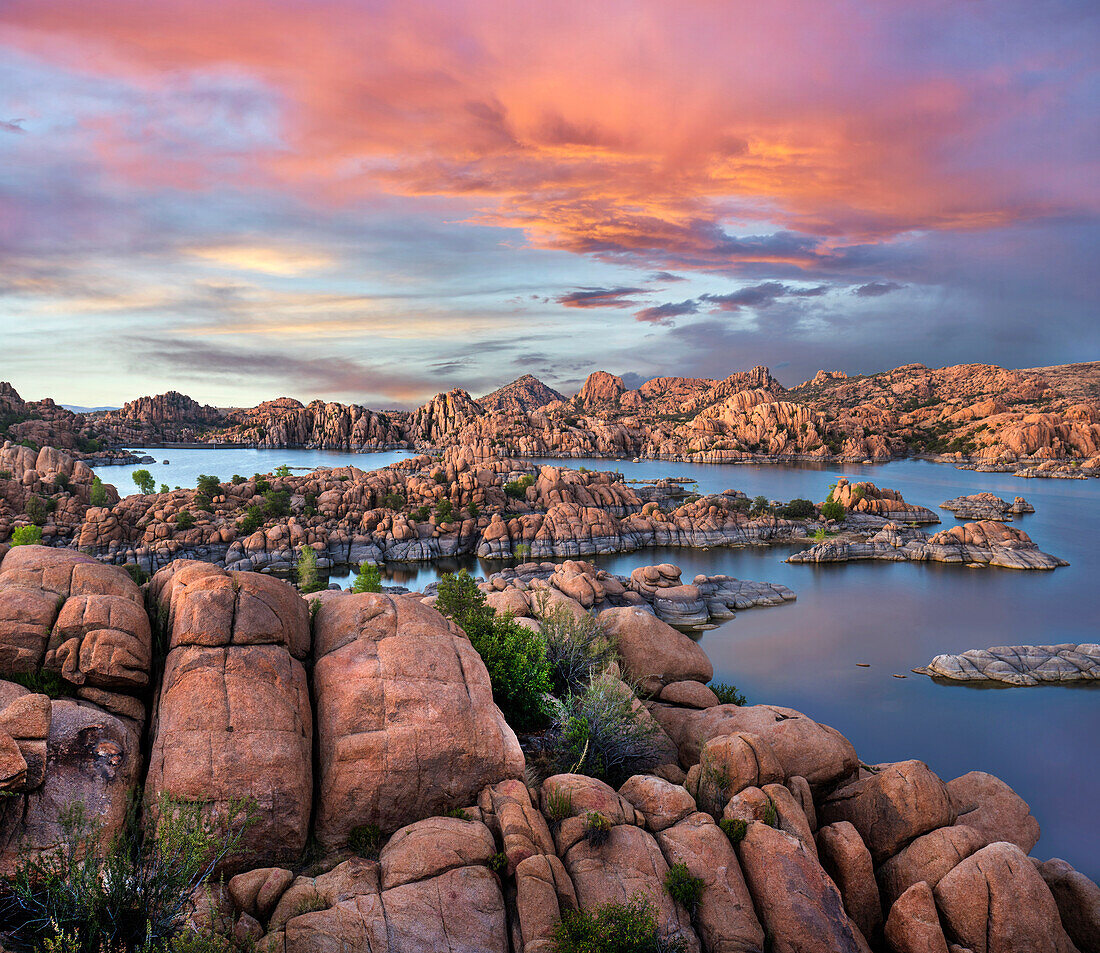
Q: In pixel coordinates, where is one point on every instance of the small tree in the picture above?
(309, 576)
(832, 510)
(26, 535)
(144, 481)
(185, 519)
(98, 494)
(369, 579)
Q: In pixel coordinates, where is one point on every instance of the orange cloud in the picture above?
(648, 129)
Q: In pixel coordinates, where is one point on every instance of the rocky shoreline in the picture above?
(791, 843)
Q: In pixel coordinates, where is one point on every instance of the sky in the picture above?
(376, 201)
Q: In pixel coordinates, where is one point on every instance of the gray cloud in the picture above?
(664, 313)
(876, 289)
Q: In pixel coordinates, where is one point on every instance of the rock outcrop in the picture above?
(1020, 664)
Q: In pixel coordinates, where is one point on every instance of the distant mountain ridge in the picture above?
(976, 412)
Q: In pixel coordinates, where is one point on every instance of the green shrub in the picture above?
(139, 575)
(309, 576)
(576, 648)
(276, 503)
(457, 813)
(97, 496)
(41, 682)
(440, 477)
(771, 816)
(798, 510)
(236, 479)
(728, 694)
(310, 902)
(252, 520)
(760, 506)
(833, 510)
(735, 830)
(420, 514)
(517, 489)
(61, 483)
(185, 519)
(498, 863)
(38, 509)
(365, 840)
(208, 485)
(144, 481)
(164, 488)
(369, 579)
(129, 896)
(26, 535)
(393, 501)
(597, 828)
(685, 889)
(597, 732)
(444, 511)
(514, 655)
(262, 485)
(474, 510)
(614, 928)
(282, 470)
(5, 474)
(559, 804)
(522, 551)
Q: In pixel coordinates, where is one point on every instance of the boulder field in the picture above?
(373, 709)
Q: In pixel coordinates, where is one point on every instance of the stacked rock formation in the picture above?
(820, 852)
(1020, 664)
(986, 506)
(867, 499)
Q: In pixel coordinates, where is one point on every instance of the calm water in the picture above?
(1044, 741)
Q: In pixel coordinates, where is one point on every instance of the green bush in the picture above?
(498, 863)
(760, 505)
(98, 494)
(5, 474)
(26, 535)
(164, 488)
(614, 928)
(832, 510)
(559, 804)
(514, 655)
(39, 510)
(185, 519)
(474, 510)
(139, 575)
(735, 830)
(685, 889)
(237, 479)
(420, 514)
(366, 840)
(276, 503)
(798, 510)
(576, 648)
(517, 489)
(393, 501)
(310, 902)
(144, 481)
(728, 694)
(41, 682)
(61, 483)
(771, 816)
(209, 485)
(597, 828)
(369, 579)
(440, 477)
(128, 896)
(282, 470)
(309, 576)
(597, 732)
(252, 520)
(262, 485)
(444, 511)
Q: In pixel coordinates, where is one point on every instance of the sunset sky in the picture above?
(376, 201)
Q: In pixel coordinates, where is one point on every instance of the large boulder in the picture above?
(798, 905)
(543, 893)
(653, 653)
(913, 925)
(659, 801)
(1078, 900)
(989, 806)
(892, 806)
(929, 858)
(848, 861)
(92, 758)
(406, 723)
(434, 845)
(730, 763)
(803, 748)
(996, 902)
(628, 864)
(234, 720)
(725, 919)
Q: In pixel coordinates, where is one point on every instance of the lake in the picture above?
(1043, 741)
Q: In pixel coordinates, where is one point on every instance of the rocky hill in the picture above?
(979, 413)
(523, 395)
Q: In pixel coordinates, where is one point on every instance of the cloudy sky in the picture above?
(375, 201)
